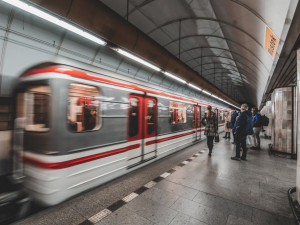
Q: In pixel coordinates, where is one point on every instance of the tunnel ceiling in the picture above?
(222, 40)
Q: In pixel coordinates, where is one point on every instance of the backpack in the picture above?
(259, 121)
(249, 126)
(264, 120)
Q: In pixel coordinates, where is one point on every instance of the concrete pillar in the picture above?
(298, 127)
(282, 119)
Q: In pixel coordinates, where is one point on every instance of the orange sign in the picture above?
(271, 42)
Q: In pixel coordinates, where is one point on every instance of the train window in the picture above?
(177, 112)
(150, 117)
(133, 117)
(221, 115)
(84, 110)
(37, 101)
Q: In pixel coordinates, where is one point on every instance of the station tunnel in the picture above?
(149, 112)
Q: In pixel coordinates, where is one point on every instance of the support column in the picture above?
(298, 127)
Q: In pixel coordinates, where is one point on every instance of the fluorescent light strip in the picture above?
(206, 92)
(135, 58)
(214, 96)
(195, 87)
(55, 20)
(175, 77)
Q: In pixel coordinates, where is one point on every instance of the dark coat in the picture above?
(255, 120)
(233, 118)
(241, 124)
(211, 124)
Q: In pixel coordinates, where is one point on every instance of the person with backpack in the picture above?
(233, 119)
(210, 122)
(242, 128)
(257, 124)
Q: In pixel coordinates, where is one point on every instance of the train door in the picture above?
(197, 119)
(18, 135)
(32, 116)
(142, 127)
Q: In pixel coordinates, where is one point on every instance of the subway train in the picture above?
(77, 126)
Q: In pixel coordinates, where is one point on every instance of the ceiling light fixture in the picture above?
(195, 87)
(46, 16)
(175, 77)
(206, 92)
(135, 58)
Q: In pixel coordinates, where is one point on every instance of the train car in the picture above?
(78, 126)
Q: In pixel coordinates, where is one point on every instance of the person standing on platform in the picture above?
(233, 120)
(211, 127)
(227, 125)
(240, 132)
(256, 128)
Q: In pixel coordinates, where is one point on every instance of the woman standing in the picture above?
(211, 127)
(227, 125)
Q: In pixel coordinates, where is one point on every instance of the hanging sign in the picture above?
(271, 42)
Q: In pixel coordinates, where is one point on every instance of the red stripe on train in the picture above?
(74, 162)
(84, 75)
(168, 138)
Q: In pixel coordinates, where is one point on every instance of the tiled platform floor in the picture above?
(206, 190)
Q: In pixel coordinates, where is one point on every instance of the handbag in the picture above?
(217, 139)
(228, 125)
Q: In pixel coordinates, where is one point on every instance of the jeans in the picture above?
(255, 136)
(210, 142)
(240, 141)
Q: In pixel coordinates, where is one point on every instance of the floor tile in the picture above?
(152, 210)
(124, 216)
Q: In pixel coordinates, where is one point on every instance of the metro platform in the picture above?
(189, 188)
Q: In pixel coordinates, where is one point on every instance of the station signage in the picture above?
(271, 42)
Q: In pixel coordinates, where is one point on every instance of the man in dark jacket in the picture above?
(256, 128)
(240, 133)
(233, 119)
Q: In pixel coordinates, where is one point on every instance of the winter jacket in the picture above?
(227, 120)
(211, 124)
(233, 118)
(241, 124)
(255, 120)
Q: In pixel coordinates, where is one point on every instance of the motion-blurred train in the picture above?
(77, 126)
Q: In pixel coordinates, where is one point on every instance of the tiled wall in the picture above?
(298, 127)
(282, 115)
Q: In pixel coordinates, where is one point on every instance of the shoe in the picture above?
(224, 137)
(252, 147)
(243, 158)
(209, 154)
(232, 142)
(236, 158)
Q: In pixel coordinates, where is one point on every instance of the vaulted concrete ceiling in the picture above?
(222, 40)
